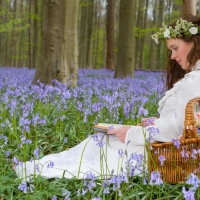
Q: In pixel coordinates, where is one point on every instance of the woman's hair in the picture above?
(174, 72)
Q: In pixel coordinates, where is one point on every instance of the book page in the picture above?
(107, 125)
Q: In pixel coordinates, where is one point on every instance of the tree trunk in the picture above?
(59, 59)
(89, 31)
(110, 34)
(189, 7)
(98, 14)
(35, 39)
(82, 43)
(125, 54)
(30, 37)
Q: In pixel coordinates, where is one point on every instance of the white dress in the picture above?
(89, 157)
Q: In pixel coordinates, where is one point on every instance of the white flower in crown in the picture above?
(156, 40)
(182, 28)
(167, 33)
(193, 30)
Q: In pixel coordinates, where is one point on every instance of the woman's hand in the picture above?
(120, 133)
(147, 121)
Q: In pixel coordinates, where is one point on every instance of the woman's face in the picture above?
(180, 50)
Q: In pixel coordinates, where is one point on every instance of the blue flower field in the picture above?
(37, 120)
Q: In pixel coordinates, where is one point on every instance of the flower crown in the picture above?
(182, 27)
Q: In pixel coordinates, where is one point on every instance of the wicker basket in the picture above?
(176, 168)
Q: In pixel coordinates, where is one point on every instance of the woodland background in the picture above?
(96, 27)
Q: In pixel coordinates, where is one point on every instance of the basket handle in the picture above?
(190, 124)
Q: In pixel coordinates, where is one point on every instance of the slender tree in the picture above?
(59, 59)
(189, 7)
(125, 52)
(110, 34)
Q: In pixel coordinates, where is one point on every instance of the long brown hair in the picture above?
(174, 72)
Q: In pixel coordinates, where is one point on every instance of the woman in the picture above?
(104, 155)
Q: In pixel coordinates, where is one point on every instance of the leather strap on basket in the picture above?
(190, 130)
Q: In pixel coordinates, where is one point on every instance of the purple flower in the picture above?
(66, 194)
(188, 195)
(36, 153)
(120, 152)
(144, 181)
(193, 180)
(25, 141)
(106, 190)
(37, 167)
(176, 143)
(162, 159)
(84, 192)
(113, 179)
(184, 154)
(96, 198)
(89, 181)
(155, 178)
(15, 160)
(23, 187)
(128, 142)
(142, 111)
(152, 132)
(4, 138)
(50, 164)
(137, 157)
(194, 152)
(7, 153)
(54, 197)
(111, 127)
(65, 140)
(99, 139)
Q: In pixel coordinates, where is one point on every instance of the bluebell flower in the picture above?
(65, 140)
(155, 178)
(113, 179)
(36, 166)
(106, 190)
(84, 191)
(188, 195)
(128, 142)
(96, 198)
(144, 181)
(23, 187)
(7, 153)
(193, 180)
(25, 141)
(176, 143)
(162, 159)
(50, 164)
(184, 154)
(89, 181)
(54, 197)
(4, 138)
(36, 153)
(66, 194)
(142, 111)
(111, 127)
(15, 160)
(100, 141)
(194, 152)
(120, 153)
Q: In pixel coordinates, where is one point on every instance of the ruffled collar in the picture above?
(177, 85)
(168, 93)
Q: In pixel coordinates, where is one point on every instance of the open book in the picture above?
(103, 127)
